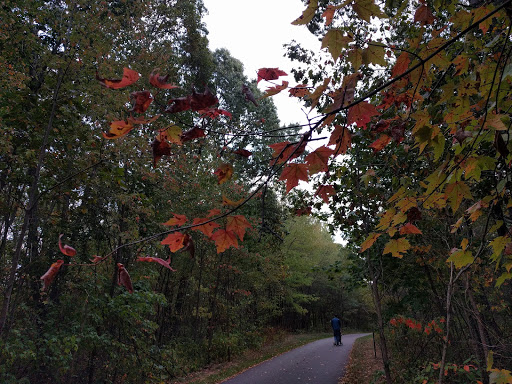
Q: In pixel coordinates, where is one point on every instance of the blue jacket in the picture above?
(336, 324)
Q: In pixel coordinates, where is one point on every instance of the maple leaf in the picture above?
(307, 14)
(397, 247)
(50, 274)
(214, 212)
(213, 113)
(192, 134)
(96, 259)
(361, 114)
(275, 90)
(173, 133)
(318, 159)
(424, 15)
(160, 148)
(380, 143)
(199, 101)
(224, 239)
(174, 241)
(367, 8)
(141, 101)
(292, 173)
(370, 240)
(303, 211)
(270, 74)
(156, 80)
(66, 249)
(460, 258)
(248, 95)
(325, 191)
(165, 263)
(224, 173)
(207, 228)
(401, 65)
(237, 224)
(176, 220)
(243, 152)
(123, 278)
(232, 203)
(318, 92)
(282, 151)
(179, 104)
(456, 192)
(398, 132)
(118, 129)
(335, 40)
(329, 13)
(342, 138)
(410, 229)
(300, 90)
(129, 77)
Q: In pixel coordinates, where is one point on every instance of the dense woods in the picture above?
(161, 178)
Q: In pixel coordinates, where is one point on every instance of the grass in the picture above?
(363, 365)
(220, 372)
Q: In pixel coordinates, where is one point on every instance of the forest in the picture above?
(156, 217)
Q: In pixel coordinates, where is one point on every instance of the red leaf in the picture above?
(179, 104)
(66, 249)
(174, 241)
(293, 173)
(325, 191)
(203, 100)
(380, 143)
(224, 239)
(318, 159)
(342, 138)
(176, 220)
(165, 263)
(398, 132)
(224, 173)
(424, 15)
(281, 151)
(361, 114)
(410, 229)
(401, 65)
(192, 134)
(123, 278)
(207, 228)
(118, 129)
(238, 224)
(213, 113)
(51, 273)
(160, 148)
(160, 81)
(243, 152)
(129, 77)
(270, 74)
(303, 211)
(189, 245)
(214, 212)
(96, 259)
(141, 101)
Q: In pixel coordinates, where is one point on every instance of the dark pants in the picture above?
(337, 336)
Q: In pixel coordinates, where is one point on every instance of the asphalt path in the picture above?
(317, 362)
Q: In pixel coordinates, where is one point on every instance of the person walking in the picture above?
(336, 327)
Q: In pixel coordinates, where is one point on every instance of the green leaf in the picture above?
(397, 247)
(367, 8)
(461, 258)
(498, 245)
(502, 278)
(374, 54)
(335, 41)
(308, 13)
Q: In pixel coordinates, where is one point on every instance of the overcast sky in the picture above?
(254, 32)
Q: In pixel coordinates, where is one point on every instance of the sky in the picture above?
(254, 33)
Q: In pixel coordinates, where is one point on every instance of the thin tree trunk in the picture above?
(447, 330)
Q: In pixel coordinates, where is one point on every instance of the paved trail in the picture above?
(319, 362)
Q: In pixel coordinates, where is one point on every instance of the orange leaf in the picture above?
(207, 228)
(160, 81)
(66, 249)
(224, 239)
(123, 278)
(176, 220)
(329, 14)
(401, 65)
(369, 241)
(361, 114)
(410, 229)
(232, 203)
(300, 90)
(317, 160)
(174, 240)
(213, 212)
(238, 224)
(141, 101)
(118, 129)
(275, 90)
(325, 191)
(293, 173)
(224, 173)
(129, 77)
(380, 143)
(165, 263)
(51, 273)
